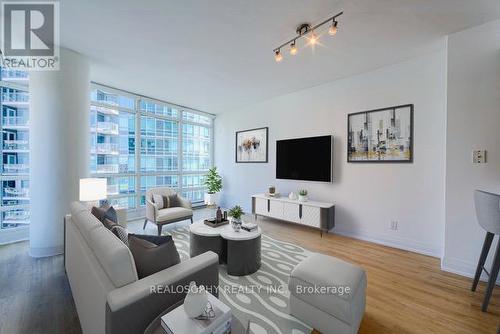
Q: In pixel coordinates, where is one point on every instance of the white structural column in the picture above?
(59, 148)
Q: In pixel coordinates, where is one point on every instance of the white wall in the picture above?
(59, 148)
(473, 123)
(367, 196)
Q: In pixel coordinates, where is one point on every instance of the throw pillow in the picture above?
(158, 200)
(152, 253)
(171, 201)
(121, 233)
(106, 215)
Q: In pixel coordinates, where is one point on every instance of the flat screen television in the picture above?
(308, 159)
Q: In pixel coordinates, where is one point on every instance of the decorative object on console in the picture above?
(236, 212)
(272, 190)
(218, 215)
(381, 135)
(196, 300)
(213, 182)
(252, 145)
(292, 196)
(302, 195)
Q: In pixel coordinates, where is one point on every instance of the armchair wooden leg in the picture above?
(159, 229)
(191, 220)
(145, 222)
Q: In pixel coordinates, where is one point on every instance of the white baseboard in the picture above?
(392, 241)
(462, 268)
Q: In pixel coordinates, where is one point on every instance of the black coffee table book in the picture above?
(213, 222)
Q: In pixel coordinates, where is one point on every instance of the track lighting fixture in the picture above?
(277, 56)
(306, 30)
(333, 28)
(293, 48)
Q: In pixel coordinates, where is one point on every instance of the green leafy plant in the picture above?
(213, 181)
(303, 192)
(236, 212)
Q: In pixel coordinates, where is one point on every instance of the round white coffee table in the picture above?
(239, 250)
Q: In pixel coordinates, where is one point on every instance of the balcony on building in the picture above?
(113, 189)
(106, 128)
(10, 193)
(107, 169)
(15, 98)
(104, 110)
(16, 146)
(16, 169)
(14, 76)
(15, 218)
(15, 122)
(105, 148)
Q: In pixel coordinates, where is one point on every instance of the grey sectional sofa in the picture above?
(108, 295)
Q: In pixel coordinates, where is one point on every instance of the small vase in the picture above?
(196, 300)
(302, 198)
(236, 224)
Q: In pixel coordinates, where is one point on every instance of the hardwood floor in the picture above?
(407, 292)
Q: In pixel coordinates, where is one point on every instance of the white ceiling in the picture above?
(216, 55)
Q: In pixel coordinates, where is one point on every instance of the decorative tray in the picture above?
(213, 222)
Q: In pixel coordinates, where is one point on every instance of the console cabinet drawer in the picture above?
(261, 206)
(291, 212)
(311, 216)
(276, 209)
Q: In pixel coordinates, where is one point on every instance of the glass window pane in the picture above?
(159, 141)
(15, 192)
(196, 118)
(196, 143)
(158, 109)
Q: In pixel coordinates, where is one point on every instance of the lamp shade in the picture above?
(93, 189)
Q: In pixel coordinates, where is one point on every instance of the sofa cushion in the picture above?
(114, 256)
(106, 214)
(121, 233)
(171, 201)
(84, 220)
(330, 274)
(152, 253)
(159, 201)
(173, 213)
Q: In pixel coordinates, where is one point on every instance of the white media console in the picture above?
(315, 214)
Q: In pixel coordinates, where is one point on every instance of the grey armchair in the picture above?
(161, 217)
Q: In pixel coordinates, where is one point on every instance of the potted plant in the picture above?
(235, 213)
(213, 182)
(302, 195)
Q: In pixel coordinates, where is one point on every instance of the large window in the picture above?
(14, 103)
(139, 143)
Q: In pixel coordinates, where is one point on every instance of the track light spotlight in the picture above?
(277, 56)
(293, 49)
(333, 28)
(313, 40)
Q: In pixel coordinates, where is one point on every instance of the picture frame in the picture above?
(252, 145)
(381, 135)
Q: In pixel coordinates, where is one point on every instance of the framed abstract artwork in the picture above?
(252, 145)
(381, 135)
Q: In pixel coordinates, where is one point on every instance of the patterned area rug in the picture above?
(263, 297)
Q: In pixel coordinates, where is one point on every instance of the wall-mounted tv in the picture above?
(308, 159)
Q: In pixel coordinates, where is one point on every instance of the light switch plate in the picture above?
(479, 156)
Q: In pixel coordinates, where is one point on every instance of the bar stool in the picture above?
(488, 216)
